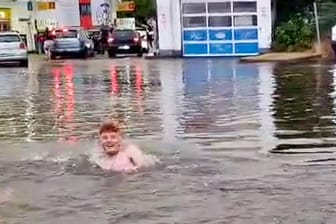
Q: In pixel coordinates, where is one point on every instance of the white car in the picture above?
(13, 48)
(144, 41)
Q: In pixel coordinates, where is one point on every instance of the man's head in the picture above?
(110, 138)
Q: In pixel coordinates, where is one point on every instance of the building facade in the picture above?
(17, 15)
(194, 28)
(13, 15)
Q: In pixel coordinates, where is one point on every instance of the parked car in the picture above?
(72, 41)
(13, 48)
(144, 38)
(125, 41)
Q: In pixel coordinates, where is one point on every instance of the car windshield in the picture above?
(65, 33)
(122, 34)
(8, 38)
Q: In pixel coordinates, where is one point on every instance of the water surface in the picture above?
(240, 143)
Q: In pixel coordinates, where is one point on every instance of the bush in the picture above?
(294, 35)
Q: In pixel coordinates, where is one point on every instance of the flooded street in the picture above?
(239, 143)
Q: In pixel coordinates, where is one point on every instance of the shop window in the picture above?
(85, 9)
(194, 8)
(245, 20)
(220, 21)
(219, 7)
(5, 26)
(194, 21)
(244, 6)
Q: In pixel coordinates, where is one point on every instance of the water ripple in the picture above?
(207, 119)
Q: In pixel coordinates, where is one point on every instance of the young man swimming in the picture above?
(114, 153)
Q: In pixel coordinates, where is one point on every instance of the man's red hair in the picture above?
(109, 126)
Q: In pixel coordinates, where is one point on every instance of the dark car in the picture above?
(125, 42)
(71, 42)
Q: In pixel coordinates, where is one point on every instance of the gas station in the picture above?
(205, 28)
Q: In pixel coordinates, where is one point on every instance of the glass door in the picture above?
(194, 28)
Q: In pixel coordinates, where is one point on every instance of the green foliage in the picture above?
(286, 9)
(294, 35)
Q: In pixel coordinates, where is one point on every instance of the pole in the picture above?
(317, 24)
(32, 17)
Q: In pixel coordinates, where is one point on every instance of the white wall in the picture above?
(67, 12)
(265, 23)
(18, 10)
(169, 24)
(176, 25)
(45, 17)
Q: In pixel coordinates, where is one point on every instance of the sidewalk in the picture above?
(281, 56)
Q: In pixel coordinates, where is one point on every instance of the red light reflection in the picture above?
(70, 97)
(139, 84)
(114, 80)
(57, 91)
(65, 119)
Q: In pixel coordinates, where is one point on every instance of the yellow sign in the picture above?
(5, 14)
(41, 6)
(126, 6)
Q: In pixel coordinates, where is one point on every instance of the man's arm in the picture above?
(136, 156)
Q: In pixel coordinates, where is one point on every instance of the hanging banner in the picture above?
(101, 12)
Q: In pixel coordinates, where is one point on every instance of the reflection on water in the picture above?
(304, 108)
(219, 104)
(213, 103)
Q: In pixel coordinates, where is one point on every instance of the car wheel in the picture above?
(140, 53)
(52, 56)
(111, 53)
(24, 63)
(85, 54)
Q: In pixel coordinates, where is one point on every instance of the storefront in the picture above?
(194, 28)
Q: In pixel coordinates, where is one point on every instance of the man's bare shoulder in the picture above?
(132, 148)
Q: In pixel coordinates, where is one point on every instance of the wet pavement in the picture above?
(240, 143)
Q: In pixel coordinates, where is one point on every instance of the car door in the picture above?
(88, 42)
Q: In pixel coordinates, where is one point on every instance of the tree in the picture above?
(286, 9)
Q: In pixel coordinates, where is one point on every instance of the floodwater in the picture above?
(239, 143)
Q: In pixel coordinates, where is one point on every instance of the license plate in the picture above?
(125, 47)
